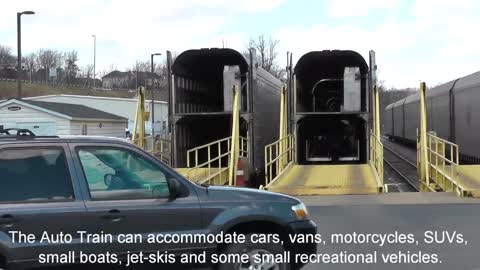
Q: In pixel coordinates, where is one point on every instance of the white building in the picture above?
(50, 118)
(123, 107)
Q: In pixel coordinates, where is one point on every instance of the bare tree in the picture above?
(31, 64)
(6, 56)
(140, 71)
(49, 59)
(267, 54)
(71, 66)
(85, 73)
(141, 66)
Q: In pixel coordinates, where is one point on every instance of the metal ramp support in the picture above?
(160, 148)
(140, 118)
(439, 163)
(376, 145)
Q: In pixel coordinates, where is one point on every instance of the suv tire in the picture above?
(253, 248)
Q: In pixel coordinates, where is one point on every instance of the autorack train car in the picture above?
(201, 82)
(452, 112)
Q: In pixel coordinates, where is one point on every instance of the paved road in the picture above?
(406, 213)
(403, 212)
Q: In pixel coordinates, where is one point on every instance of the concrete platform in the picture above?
(398, 198)
(326, 180)
(469, 179)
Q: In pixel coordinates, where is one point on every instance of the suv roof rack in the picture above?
(17, 132)
(20, 133)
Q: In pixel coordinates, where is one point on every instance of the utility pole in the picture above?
(19, 50)
(94, 57)
(152, 111)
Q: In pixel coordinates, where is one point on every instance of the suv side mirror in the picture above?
(175, 188)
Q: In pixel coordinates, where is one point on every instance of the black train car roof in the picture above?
(329, 63)
(208, 56)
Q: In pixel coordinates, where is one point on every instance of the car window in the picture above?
(120, 174)
(34, 174)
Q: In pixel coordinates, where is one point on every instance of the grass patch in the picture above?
(9, 90)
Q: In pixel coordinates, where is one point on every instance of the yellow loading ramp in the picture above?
(327, 180)
(282, 175)
(439, 162)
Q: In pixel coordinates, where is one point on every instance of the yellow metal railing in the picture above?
(278, 155)
(209, 163)
(160, 148)
(376, 155)
(443, 162)
(216, 162)
(425, 185)
(163, 150)
(437, 159)
(146, 143)
(419, 153)
(376, 145)
(281, 153)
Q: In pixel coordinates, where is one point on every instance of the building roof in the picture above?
(115, 73)
(120, 74)
(70, 111)
(91, 97)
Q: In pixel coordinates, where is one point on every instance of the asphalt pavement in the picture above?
(366, 218)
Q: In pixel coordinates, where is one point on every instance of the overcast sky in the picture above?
(430, 40)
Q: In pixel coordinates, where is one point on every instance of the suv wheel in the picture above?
(254, 250)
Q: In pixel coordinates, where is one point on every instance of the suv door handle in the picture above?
(7, 220)
(113, 215)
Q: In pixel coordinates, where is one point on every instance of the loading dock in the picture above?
(333, 147)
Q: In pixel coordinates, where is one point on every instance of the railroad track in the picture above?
(404, 168)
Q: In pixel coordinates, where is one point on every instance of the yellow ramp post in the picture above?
(424, 170)
(376, 146)
(139, 123)
(234, 151)
(283, 130)
(377, 112)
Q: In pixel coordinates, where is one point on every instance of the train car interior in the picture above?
(331, 82)
(331, 96)
(191, 132)
(326, 139)
(203, 81)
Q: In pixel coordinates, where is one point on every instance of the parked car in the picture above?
(105, 185)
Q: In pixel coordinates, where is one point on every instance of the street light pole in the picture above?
(19, 50)
(153, 92)
(94, 56)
